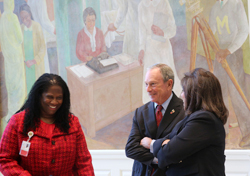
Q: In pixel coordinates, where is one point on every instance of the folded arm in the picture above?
(134, 149)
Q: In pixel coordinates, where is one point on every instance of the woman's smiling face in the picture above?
(51, 101)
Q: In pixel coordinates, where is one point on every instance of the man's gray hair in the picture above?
(166, 72)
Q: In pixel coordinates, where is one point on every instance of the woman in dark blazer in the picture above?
(196, 145)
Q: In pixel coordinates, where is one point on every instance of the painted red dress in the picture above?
(83, 45)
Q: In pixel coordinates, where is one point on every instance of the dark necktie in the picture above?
(158, 114)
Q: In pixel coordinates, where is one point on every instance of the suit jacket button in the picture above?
(53, 161)
(53, 142)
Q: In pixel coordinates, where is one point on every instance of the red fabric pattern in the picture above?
(83, 46)
(158, 114)
(68, 155)
(47, 128)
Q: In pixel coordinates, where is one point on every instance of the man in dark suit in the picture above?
(159, 82)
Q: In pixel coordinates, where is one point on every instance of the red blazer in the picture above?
(83, 46)
(61, 155)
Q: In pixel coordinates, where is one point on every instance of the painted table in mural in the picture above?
(100, 99)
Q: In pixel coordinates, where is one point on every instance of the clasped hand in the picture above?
(29, 63)
(157, 31)
(165, 142)
(146, 141)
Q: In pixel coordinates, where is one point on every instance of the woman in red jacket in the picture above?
(43, 137)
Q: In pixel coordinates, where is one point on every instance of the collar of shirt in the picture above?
(92, 38)
(224, 2)
(27, 29)
(165, 104)
(148, 3)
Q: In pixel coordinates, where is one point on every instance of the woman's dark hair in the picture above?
(202, 91)
(25, 7)
(32, 106)
(88, 11)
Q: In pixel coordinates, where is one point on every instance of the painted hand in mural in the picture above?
(145, 142)
(222, 54)
(112, 27)
(157, 31)
(29, 63)
(88, 58)
(141, 56)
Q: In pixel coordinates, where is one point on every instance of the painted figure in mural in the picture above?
(11, 39)
(156, 27)
(39, 13)
(33, 46)
(17, 4)
(90, 40)
(3, 90)
(228, 18)
(45, 118)
(109, 11)
(128, 9)
(196, 145)
(159, 82)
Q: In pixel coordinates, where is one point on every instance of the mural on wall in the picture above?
(102, 49)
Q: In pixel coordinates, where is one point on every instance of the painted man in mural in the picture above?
(11, 39)
(156, 27)
(228, 18)
(128, 9)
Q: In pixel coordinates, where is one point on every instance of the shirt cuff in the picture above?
(116, 25)
(155, 160)
(151, 146)
(232, 49)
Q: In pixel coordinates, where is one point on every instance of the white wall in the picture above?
(238, 162)
(115, 163)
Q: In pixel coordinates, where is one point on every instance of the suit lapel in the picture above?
(171, 112)
(149, 115)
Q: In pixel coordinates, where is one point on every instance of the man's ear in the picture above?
(170, 82)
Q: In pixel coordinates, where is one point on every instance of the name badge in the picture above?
(24, 151)
(25, 147)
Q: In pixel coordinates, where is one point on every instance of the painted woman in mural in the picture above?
(228, 19)
(33, 46)
(11, 39)
(156, 27)
(90, 40)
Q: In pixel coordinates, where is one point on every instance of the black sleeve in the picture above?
(133, 148)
